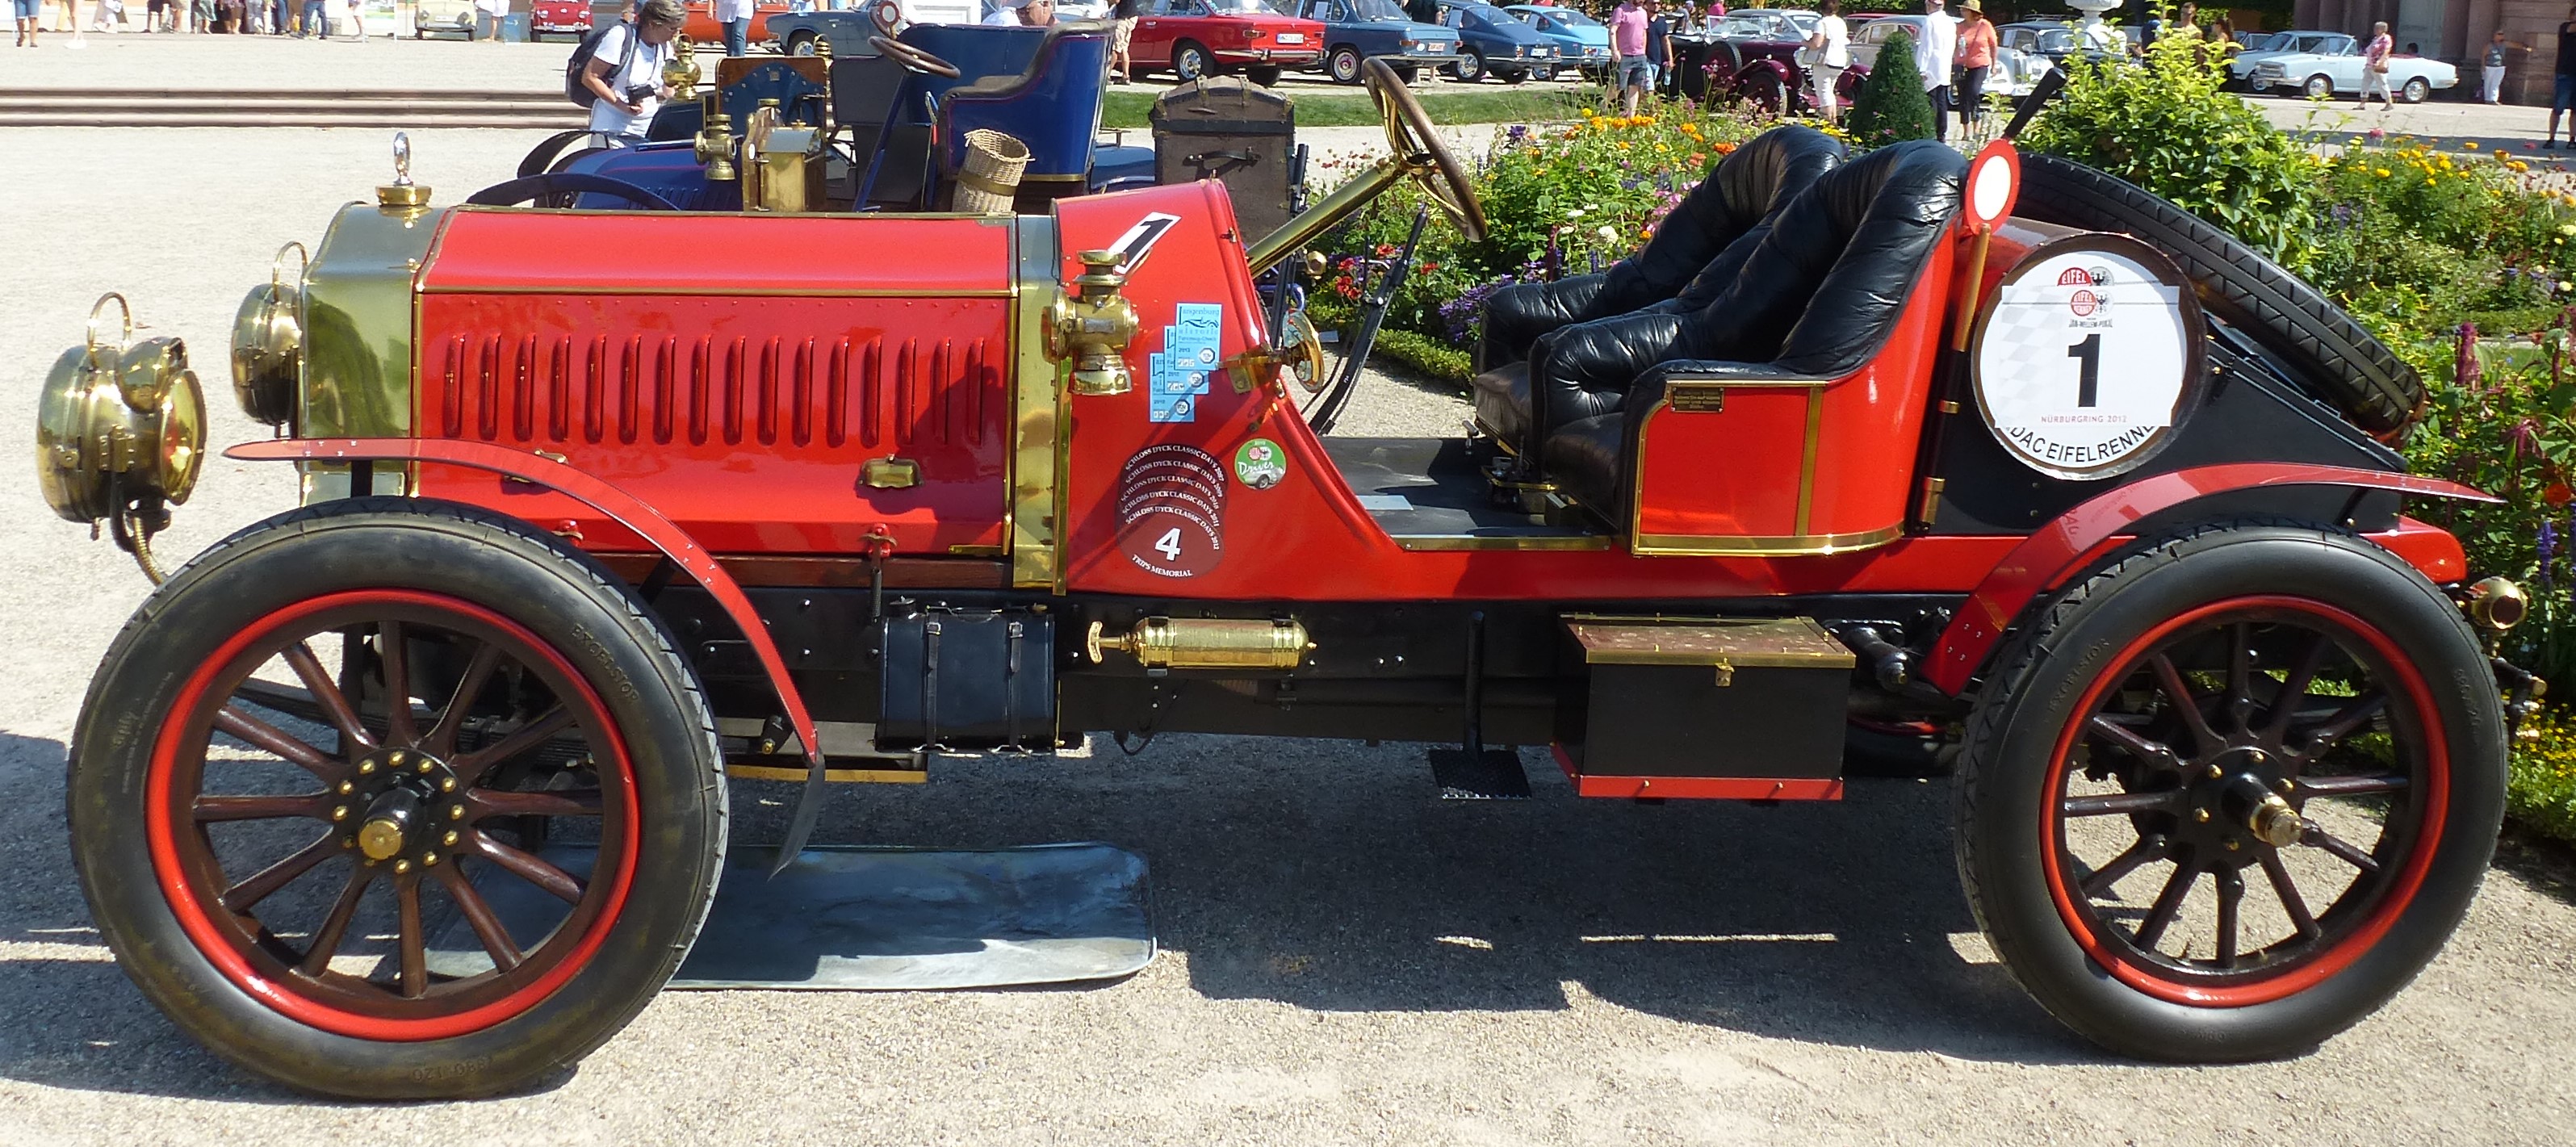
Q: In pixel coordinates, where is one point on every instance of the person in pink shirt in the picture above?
(2374, 68)
(1628, 40)
(1976, 57)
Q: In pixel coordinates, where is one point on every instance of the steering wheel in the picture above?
(913, 59)
(563, 188)
(1418, 148)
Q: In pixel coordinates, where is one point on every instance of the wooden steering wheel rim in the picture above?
(913, 59)
(1409, 132)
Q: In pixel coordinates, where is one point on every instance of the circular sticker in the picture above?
(1171, 510)
(1171, 542)
(2090, 356)
(1260, 464)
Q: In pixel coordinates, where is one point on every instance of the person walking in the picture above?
(25, 11)
(733, 19)
(2491, 80)
(1829, 51)
(2374, 68)
(1932, 56)
(625, 72)
(489, 14)
(2563, 97)
(1976, 59)
(1659, 47)
(317, 20)
(1628, 42)
(1122, 32)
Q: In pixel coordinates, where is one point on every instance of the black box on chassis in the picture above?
(1704, 697)
(957, 679)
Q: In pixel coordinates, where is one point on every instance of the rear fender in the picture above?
(624, 508)
(2047, 558)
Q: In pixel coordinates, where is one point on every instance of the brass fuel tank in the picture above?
(1207, 643)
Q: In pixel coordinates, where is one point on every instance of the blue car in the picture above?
(1581, 41)
(1356, 30)
(1494, 42)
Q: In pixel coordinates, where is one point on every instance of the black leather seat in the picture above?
(1814, 297)
(1738, 194)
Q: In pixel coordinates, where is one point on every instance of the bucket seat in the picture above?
(1816, 296)
(1738, 194)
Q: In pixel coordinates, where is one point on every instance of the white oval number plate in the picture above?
(2089, 358)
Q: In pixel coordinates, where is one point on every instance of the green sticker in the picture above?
(1260, 464)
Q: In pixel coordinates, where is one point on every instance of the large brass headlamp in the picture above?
(120, 430)
(267, 340)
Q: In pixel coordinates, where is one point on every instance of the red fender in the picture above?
(2046, 558)
(625, 508)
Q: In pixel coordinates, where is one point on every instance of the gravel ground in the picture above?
(1347, 960)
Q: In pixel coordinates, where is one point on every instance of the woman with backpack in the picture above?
(623, 77)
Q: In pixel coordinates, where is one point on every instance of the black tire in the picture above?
(2318, 87)
(2415, 90)
(2090, 647)
(583, 621)
(798, 44)
(1343, 64)
(1512, 75)
(2338, 360)
(1266, 75)
(1543, 73)
(1191, 61)
(1470, 66)
(1763, 92)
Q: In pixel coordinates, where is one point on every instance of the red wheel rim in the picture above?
(432, 787)
(2292, 704)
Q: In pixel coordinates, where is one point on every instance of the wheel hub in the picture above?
(2239, 798)
(400, 806)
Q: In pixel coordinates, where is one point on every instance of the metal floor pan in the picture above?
(880, 919)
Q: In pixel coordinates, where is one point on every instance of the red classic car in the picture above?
(603, 507)
(703, 29)
(1195, 38)
(569, 18)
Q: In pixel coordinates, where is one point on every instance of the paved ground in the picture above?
(1347, 961)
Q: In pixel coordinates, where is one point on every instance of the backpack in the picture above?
(579, 92)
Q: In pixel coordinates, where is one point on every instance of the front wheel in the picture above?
(1469, 68)
(1343, 65)
(310, 797)
(800, 44)
(2319, 87)
(2224, 798)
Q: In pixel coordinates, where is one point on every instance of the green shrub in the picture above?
(2164, 125)
(1891, 105)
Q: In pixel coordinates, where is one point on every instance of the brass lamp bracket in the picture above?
(1092, 326)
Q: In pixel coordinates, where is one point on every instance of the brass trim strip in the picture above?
(728, 292)
(1807, 458)
(1794, 545)
(837, 776)
(1445, 543)
(1037, 500)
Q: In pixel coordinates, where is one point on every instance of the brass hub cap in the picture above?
(399, 808)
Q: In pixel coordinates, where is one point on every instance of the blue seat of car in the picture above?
(1052, 106)
(1121, 167)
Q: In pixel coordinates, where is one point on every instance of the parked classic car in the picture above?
(1580, 40)
(441, 17)
(1495, 42)
(1197, 38)
(1357, 30)
(601, 506)
(2241, 66)
(2334, 66)
(1775, 24)
(1753, 56)
(567, 18)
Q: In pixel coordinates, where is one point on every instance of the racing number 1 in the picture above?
(2088, 381)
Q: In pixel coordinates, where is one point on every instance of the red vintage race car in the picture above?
(1856, 450)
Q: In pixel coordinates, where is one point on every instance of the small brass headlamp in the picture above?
(268, 338)
(1093, 325)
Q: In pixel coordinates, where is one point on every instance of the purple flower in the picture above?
(2548, 550)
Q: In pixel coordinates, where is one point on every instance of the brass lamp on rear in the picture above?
(1093, 325)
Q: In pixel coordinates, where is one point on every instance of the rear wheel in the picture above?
(1343, 64)
(1512, 76)
(1470, 66)
(1190, 61)
(1266, 75)
(309, 792)
(2224, 798)
(2415, 90)
(1543, 73)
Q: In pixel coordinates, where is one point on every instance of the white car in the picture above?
(438, 17)
(2336, 68)
(2278, 44)
(2015, 73)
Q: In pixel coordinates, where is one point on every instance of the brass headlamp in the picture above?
(268, 337)
(680, 73)
(1093, 325)
(120, 432)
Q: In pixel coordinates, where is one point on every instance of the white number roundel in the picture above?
(2090, 357)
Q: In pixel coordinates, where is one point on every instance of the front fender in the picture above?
(625, 508)
(2047, 558)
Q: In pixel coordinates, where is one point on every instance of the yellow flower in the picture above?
(2472, 145)
(2382, 172)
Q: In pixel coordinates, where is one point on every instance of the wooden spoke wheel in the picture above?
(313, 789)
(2227, 796)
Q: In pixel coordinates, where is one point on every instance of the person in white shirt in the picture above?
(1932, 58)
(1829, 52)
(1023, 14)
(733, 17)
(625, 72)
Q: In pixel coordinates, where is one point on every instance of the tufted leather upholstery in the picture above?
(1736, 199)
(1815, 296)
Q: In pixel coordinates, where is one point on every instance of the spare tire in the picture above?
(2339, 361)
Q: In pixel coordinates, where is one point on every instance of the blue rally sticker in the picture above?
(1179, 372)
